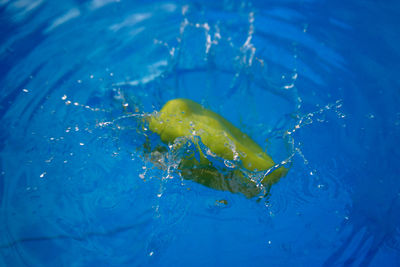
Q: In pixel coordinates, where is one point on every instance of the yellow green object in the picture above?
(186, 118)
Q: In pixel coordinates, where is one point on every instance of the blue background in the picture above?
(78, 189)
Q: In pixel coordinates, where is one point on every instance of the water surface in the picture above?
(314, 82)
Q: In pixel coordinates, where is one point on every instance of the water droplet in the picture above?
(289, 86)
(229, 164)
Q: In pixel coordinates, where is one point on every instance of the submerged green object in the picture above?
(186, 118)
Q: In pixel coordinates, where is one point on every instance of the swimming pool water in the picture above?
(314, 82)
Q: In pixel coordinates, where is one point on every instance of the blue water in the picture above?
(314, 82)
